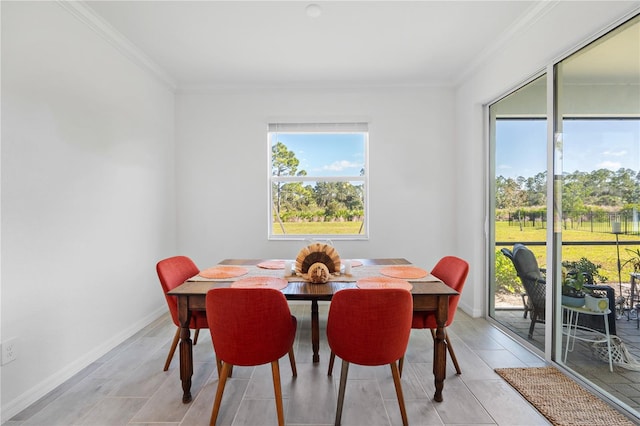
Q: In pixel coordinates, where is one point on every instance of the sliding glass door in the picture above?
(518, 131)
(597, 93)
(592, 156)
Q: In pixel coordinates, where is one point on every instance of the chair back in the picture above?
(532, 279)
(249, 326)
(173, 272)
(370, 326)
(525, 263)
(453, 272)
(508, 253)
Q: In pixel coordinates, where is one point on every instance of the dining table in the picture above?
(429, 294)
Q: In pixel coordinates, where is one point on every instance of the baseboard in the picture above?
(50, 383)
(473, 313)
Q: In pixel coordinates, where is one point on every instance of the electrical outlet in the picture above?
(9, 350)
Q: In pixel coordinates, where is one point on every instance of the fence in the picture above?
(591, 221)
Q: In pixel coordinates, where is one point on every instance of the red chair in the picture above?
(370, 327)
(453, 272)
(250, 326)
(173, 272)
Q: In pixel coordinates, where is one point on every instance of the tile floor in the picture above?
(128, 387)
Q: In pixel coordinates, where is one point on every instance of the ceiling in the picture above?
(196, 44)
(277, 43)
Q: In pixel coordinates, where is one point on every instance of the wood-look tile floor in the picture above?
(128, 387)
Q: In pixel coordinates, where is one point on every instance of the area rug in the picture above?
(561, 400)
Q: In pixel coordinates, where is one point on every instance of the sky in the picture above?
(322, 154)
(589, 145)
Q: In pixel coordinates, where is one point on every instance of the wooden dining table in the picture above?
(429, 294)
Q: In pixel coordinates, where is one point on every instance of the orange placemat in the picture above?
(406, 272)
(383, 282)
(355, 263)
(222, 271)
(272, 264)
(261, 282)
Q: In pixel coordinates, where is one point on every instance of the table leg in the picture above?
(606, 330)
(440, 349)
(315, 330)
(186, 349)
(571, 332)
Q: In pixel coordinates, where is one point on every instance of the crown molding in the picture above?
(105, 30)
(530, 17)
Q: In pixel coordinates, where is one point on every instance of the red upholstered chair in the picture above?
(370, 327)
(250, 326)
(173, 272)
(453, 272)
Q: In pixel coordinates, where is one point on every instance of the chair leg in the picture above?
(534, 318)
(447, 342)
(172, 350)
(396, 381)
(343, 386)
(525, 303)
(277, 389)
(332, 358)
(195, 338)
(222, 380)
(400, 365)
(292, 361)
(453, 355)
(218, 366)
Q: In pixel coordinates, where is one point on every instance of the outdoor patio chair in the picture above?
(533, 281)
(527, 307)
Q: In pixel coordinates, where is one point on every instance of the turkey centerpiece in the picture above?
(316, 262)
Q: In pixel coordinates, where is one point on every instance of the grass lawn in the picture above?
(600, 255)
(318, 228)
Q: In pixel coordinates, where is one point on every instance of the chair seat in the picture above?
(425, 320)
(198, 321)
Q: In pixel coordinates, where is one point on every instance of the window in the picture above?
(318, 180)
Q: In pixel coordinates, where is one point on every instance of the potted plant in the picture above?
(573, 290)
(587, 268)
(576, 275)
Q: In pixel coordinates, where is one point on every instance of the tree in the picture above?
(283, 163)
(536, 188)
(510, 195)
(626, 186)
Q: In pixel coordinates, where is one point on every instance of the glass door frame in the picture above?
(490, 135)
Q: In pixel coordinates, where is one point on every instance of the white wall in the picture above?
(222, 169)
(87, 197)
(567, 26)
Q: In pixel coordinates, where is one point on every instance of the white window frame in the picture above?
(333, 128)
